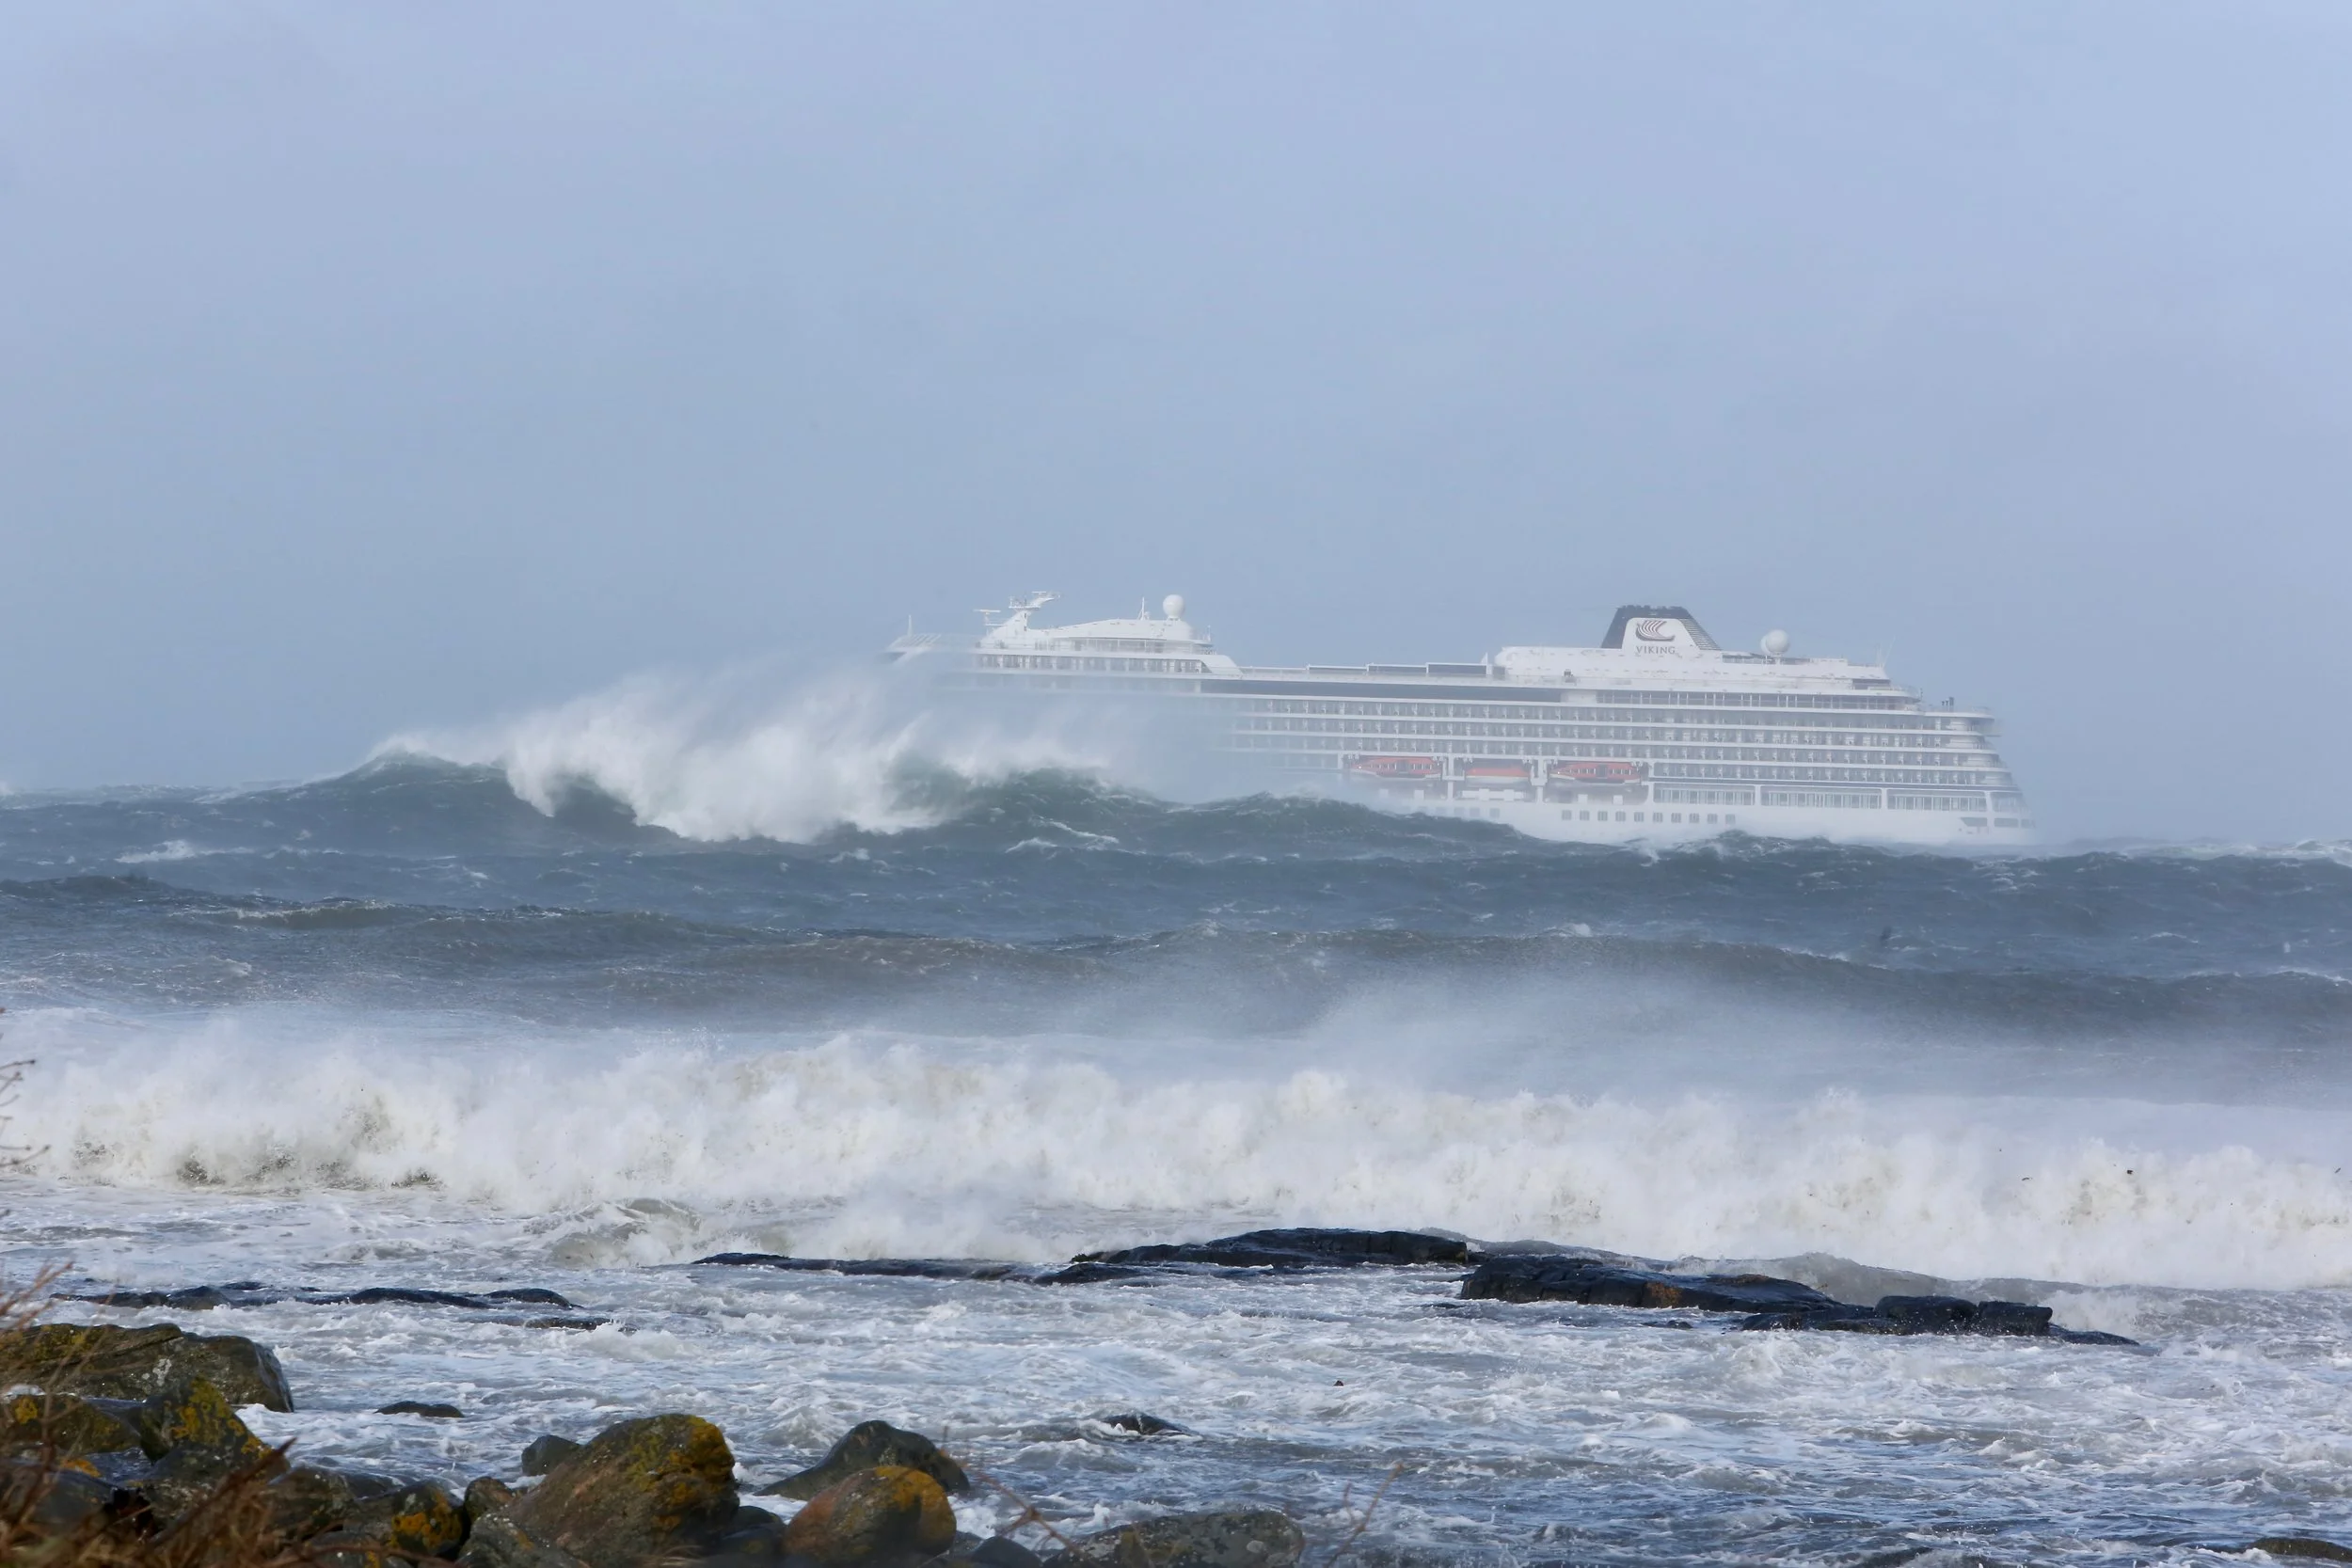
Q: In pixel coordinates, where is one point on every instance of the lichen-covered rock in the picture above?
(485, 1496)
(889, 1514)
(310, 1499)
(496, 1541)
(51, 1500)
(417, 1520)
(110, 1362)
(196, 1442)
(68, 1424)
(868, 1445)
(1247, 1538)
(544, 1453)
(637, 1492)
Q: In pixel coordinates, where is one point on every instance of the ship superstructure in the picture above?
(1657, 734)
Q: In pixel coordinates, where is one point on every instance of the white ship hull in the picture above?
(1657, 735)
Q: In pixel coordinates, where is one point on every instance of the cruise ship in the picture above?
(1658, 733)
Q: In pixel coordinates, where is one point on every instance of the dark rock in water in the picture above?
(420, 1407)
(637, 1492)
(1526, 1277)
(310, 1499)
(485, 1496)
(1934, 1315)
(1303, 1248)
(68, 1425)
(497, 1542)
(893, 1268)
(1102, 1274)
(196, 1298)
(417, 1520)
(889, 1515)
(1003, 1551)
(532, 1294)
(139, 1362)
(544, 1453)
(1253, 1538)
(1141, 1423)
(868, 1445)
(2302, 1545)
(50, 1501)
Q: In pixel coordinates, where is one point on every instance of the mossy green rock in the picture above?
(109, 1362)
(68, 1424)
(638, 1492)
(417, 1520)
(886, 1515)
(198, 1442)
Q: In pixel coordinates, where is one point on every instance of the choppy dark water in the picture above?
(404, 1027)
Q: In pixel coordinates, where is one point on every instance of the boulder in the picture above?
(1934, 1315)
(868, 1445)
(69, 1425)
(310, 1500)
(753, 1536)
(543, 1453)
(485, 1496)
(1595, 1282)
(1141, 1423)
(1243, 1538)
(420, 1519)
(891, 1515)
(110, 1362)
(1003, 1551)
(52, 1499)
(496, 1541)
(196, 1442)
(421, 1407)
(638, 1490)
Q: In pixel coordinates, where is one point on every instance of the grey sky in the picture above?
(369, 366)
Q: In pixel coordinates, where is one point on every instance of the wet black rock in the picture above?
(49, 1500)
(248, 1292)
(1141, 1423)
(544, 1453)
(421, 1407)
(1906, 1315)
(869, 1446)
(1302, 1249)
(1003, 1551)
(1596, 1282)
(2301, 1545)
(109, 1362)
(891, 1268)
(1252, 1538)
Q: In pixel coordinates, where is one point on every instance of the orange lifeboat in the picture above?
(1495, 771)
(1395, 767)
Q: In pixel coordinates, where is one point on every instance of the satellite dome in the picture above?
(1775, 642)
(1174, 606)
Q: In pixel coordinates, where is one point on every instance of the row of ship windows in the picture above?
(1729, 818)
(1746, 764)
(1752, 699)
(1503, 713)
(1593, 732)
(1067, 661)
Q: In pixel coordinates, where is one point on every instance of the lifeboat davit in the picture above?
(1598, 772)
(1395, 767)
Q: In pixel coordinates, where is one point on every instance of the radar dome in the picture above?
(1174, 606)
(1776, 642)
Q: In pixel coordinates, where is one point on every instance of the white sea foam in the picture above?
(754, 752)
(869, 1146)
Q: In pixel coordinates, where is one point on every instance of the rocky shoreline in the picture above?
(131, 1434)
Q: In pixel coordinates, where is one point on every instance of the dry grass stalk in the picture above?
(231, 1526)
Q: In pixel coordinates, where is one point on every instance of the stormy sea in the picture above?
(451, 1025)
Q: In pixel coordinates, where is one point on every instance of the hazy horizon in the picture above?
(366, 370)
